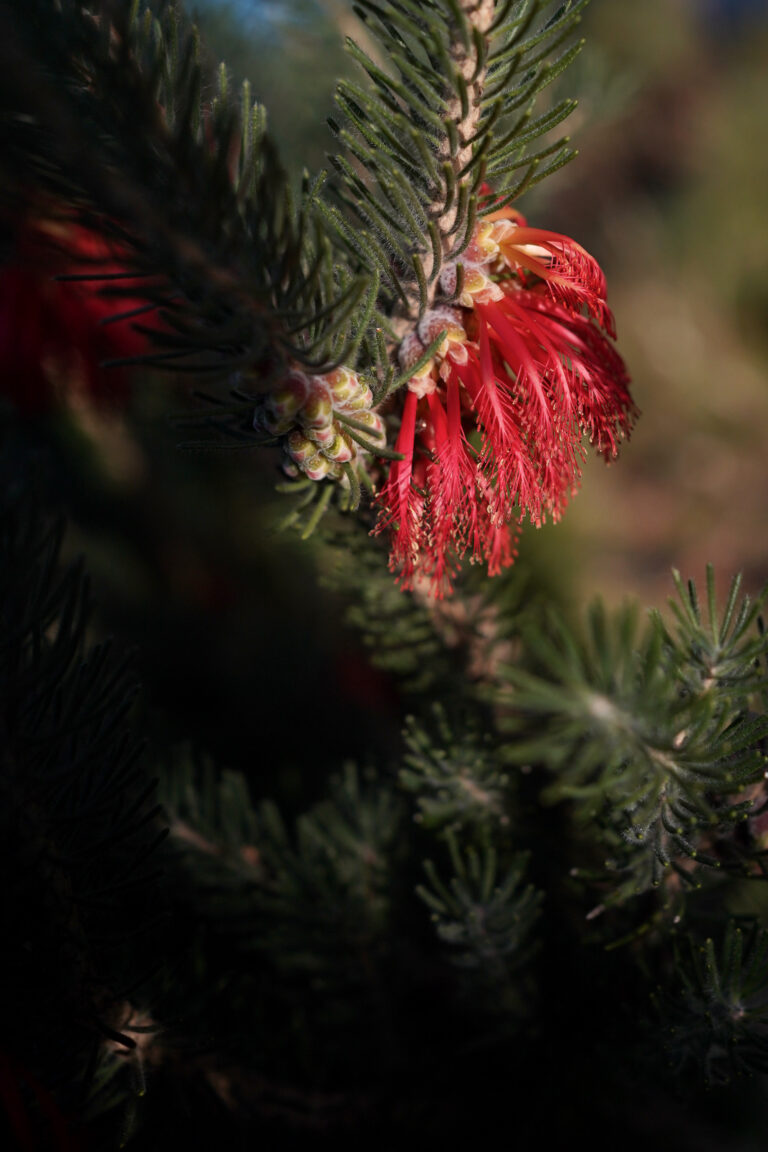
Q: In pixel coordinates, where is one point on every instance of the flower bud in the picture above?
(442, 319)
(476, 285)
(300, 448)
(375, 424)
(425, 383)
(317, 412)
(339, 450)
(457, 354)
(276, 425)
(483, 247)
(288, 397)
(344, 384)
(448, 279)
(410, 350)
(360, 402)
(323, 436)
(503, 232)
(317, 467)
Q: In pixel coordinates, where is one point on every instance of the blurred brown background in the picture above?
(670, 193)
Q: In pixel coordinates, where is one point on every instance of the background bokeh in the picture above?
(238, 649)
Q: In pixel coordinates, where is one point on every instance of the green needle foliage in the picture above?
(79, 829)
(448, 104)
(397, 629)
(313, 976)
(725, 653)
(325, 892)
(715, 1018)
(313, 896)
(237, 277)
(456, 778)
(485, 920)
(649, 733)
(215, 804)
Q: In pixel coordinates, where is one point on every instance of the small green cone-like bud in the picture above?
(360, 402)
(319, 467)
(288, 397)
(307, 412)
(277, 425)
(344, 385)
(300, 448)
(339, 450)
(323, 437)
(317, 412)
(374, 422)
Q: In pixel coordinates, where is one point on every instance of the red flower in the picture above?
(493, 428)
(53, 335)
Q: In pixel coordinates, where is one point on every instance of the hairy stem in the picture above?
(479, 14)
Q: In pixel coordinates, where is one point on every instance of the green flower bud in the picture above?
(300, 448)
(339, 450)
(317, 412)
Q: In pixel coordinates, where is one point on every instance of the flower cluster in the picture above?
(325, 422)
(493, 426)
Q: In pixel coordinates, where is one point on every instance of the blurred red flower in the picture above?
(56, 334)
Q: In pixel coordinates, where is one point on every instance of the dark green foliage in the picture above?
(316, 978)
(520, 67)
(78, 826)
(325, 891)
(216, 804)
(421, 642)
(237, 278)
(313, 901)
(310, 912)
(714, 1015)
(724, 655)
(397, 628)
(485, 921)
(450, 106)
(288, 51)
(456, 777)
(649, 734)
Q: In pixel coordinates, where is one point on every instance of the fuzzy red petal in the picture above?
(572, 276)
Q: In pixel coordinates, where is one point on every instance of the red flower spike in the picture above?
(504, 459)
(400, 500)
(526, 374)
(498, 545)
(572, 276)
(598, 375)
(451, 480)
(545, 410)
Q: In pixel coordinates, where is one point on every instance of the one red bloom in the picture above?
(438, 503)
(56, 334)
(563, 379)
(495, 429)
